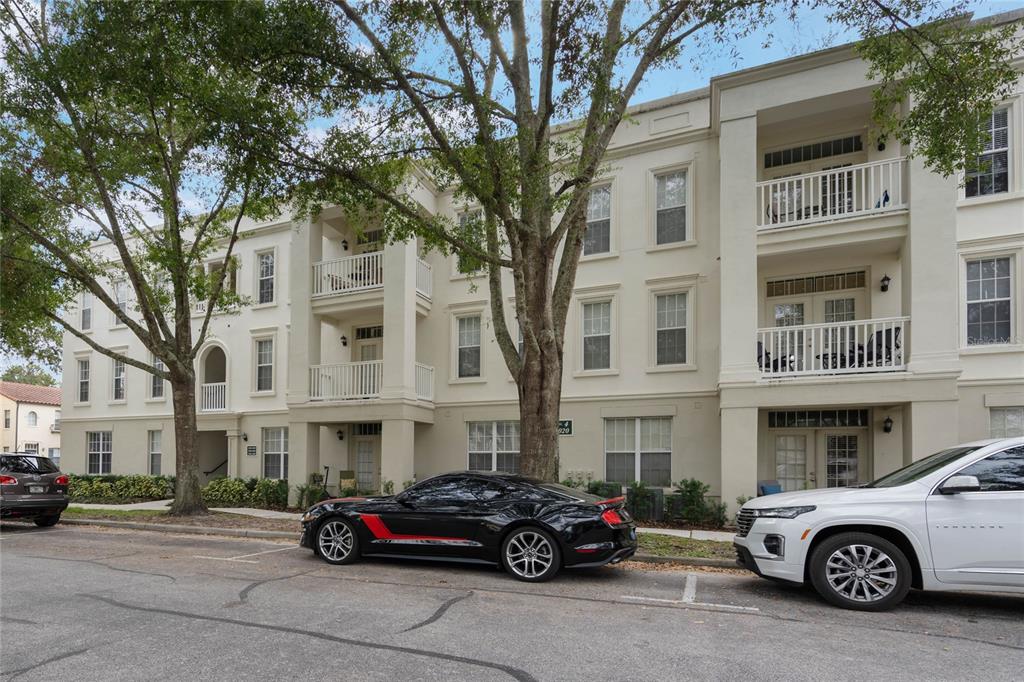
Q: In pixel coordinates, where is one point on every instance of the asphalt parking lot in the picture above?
(91, 604)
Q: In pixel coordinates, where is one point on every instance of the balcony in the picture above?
(854, 347)
(848, 192)
(349, 274)
(213, 397)
(361, 381)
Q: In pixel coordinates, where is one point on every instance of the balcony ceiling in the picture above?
(853, 104)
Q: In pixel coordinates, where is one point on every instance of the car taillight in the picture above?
(61, 480)
(611, 517)
(8, 480)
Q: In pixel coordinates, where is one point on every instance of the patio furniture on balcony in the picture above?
(349, 274)
(849, 347)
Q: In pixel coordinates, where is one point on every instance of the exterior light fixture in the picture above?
(245, 437)
(341, 434)
(344, 244)
(887, 425)
(885, 282)
(344, 340)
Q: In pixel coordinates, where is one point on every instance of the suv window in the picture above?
(999, 472)
(27, 464)
(921, 468)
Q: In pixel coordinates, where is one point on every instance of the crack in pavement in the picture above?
(243, 595)
(19, 621)
(21, 671)
(99, 562)
(515, 673)
(441, 610)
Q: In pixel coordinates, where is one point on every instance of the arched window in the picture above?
(32, 418)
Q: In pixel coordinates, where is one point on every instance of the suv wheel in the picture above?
(46, 521)
(860, 571)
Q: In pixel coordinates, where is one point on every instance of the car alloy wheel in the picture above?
(861, 573)
(336, 541)
(530, 555)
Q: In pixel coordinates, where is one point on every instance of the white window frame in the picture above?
(119, 287)
(156, 449)
(258, 278)
(7, 419)
(256, 340)
(50, 453)
(85, 312)
(455, 273)
(672, 285)
(994, 411)
(613, 200)
(114, 363)
(602, 294)
(637, 449)
(474, 309)
(688, 168)
(155, 381)
(1009, 149)
(100, 452)
(494, 451)
(1016, 256)
(32, 447)
(282, 455)
(86, 358)
(32, 418)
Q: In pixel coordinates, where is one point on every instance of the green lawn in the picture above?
(112, 514)
(670, 545)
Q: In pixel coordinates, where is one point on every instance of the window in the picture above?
(468, 265)
(264, 365)
(445, 490)
(32, 419)
(841, 455)
(597, 238)
(265, 274)
(811, 152)
(7, 419)
(813, 419)
(32, 448)
(671, 208)
(275, 452)
(597, 335)
(840, 310)
(156, 383)
(670, 323)
(638, 449)
(816, 284)
(230, 280)
(988, 301)
(120, 300)
(469, 346)
(98, 452)
(118, 375)
(86, 311)
(155, 439)
(494, 446)
(54, 455)
(1001, 472)
(1006, 422)
(83, 381)
(990, 173)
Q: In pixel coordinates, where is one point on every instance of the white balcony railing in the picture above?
(846, 192)
(346, 381)
(55, 426)
(854, 347)
(424, 278)
(213, 397)
(424, 381)
(349, 274)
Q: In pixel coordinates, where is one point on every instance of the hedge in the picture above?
(119, 489)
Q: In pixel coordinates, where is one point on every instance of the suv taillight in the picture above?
(611, 517)
(8, 480)
(61, 480)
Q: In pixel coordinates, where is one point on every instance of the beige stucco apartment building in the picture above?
(31, 419)
(769, 292)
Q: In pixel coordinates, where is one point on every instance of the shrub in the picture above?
(269, 494)
(644, 503)
(308, 494)
(690, 505)
(225, 492)
(603, 489)
(119, 489)
(142, 487)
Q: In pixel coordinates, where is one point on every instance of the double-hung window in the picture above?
(264, 365)
(494, 446)
(1006, 422)
(990, 173)
(85, 321)
(467, 265)
(638, 449)
(98, 452)
(118, 377)
(275, 452)
(83, 381)
(120, 300)
(469, 346)
(670, 221)
(670, 322)
(32, 419)
(597, 335)
(265, 274)
(989, 300)
(155, 439)
(156, 383)
(597, 238)
(7, 419)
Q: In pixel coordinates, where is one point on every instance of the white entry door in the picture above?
(366, 464)
(787, 347)
(843, 459)
(794, 468)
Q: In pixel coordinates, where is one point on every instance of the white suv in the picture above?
(951, 521)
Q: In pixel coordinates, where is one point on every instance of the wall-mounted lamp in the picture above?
(344, 341)
(245, 437)
(341, 434)
(887, 425)
(881, 145)
(885, 282)
(344, 245)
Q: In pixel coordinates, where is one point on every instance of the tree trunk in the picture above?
(188, 498)
(540, 393)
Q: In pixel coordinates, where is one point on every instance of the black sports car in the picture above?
(531, 528)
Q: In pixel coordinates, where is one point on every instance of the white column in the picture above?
(739, 454)
(399, 380)
(929, 427)
(234, 450)
(303, 340)
(398, 443)
(738, 250)
(303, 455)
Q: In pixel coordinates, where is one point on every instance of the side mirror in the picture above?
(403, 500)
(960, 484)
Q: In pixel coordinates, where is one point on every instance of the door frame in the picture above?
(864, 458)
(374, 442)
(811, 462)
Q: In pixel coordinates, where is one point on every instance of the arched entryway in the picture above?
(213, 377)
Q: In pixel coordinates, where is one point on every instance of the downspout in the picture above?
(17, 422)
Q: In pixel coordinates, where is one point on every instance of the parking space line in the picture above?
(269, 551)
(243, 558)
(680, 602)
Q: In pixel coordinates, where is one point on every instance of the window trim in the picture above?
(31, 418)
(150, 452)
(1011, 159)
(602, 294)
(1002, 408)
(637, 449)
(25, 447)
(82, 309)
(115, 323)
(1016, 256)
(688, 167)
(454, 273)
(257, 278)
(257, 337)
(83, 356)
(7, 419)
(494, 442)
(100, 452)
(283, 454)
(474, 309)
(667, 286)
(111, 400)
(613, 223)
(150, 398)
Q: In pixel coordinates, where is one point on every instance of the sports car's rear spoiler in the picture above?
(612, 502)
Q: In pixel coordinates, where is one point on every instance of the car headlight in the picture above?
(782, 512)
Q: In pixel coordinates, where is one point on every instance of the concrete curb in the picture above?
(686, 561)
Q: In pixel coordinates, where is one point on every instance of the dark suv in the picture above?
(31, 487)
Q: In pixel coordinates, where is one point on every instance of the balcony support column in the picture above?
(303, 336)
(739, 454)
(738, 248)
(303, 455)
(399, 379)
(398, 443)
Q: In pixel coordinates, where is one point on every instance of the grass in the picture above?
(672, 546)
(113, 514)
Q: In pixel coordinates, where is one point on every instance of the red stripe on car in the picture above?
(382, 532)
